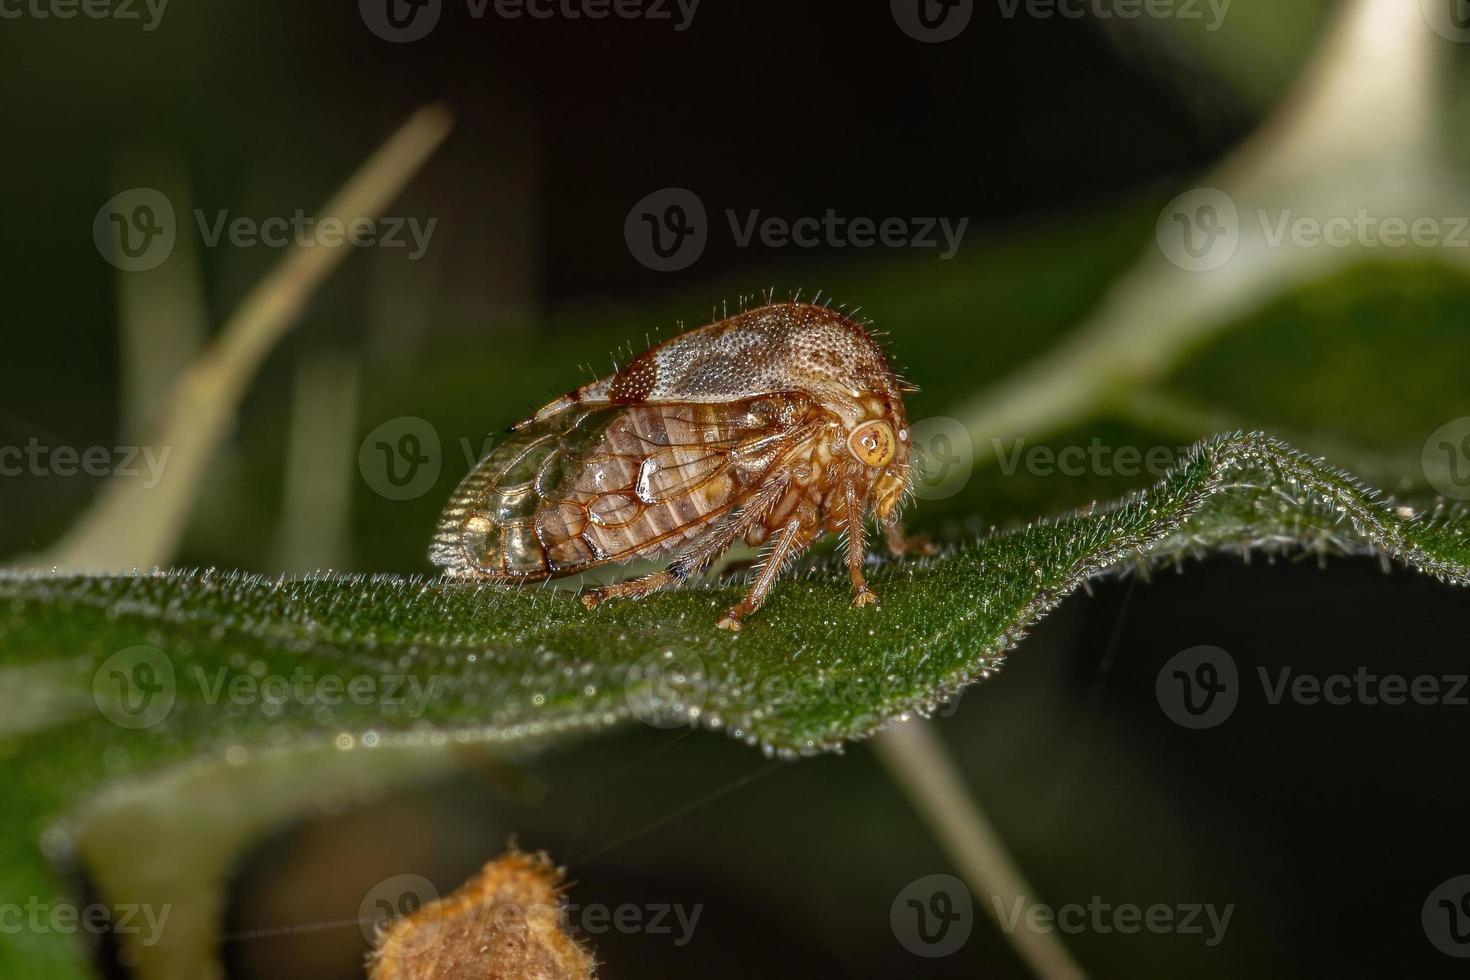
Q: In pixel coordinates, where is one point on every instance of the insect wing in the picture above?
(590, 485)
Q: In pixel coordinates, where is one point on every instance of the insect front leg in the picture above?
(856, 546)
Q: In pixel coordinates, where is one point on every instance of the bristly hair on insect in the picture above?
(776, 425)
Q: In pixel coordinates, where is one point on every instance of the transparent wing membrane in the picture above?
(590, 485)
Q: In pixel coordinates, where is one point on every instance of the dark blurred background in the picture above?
(788, 108)
(1057, 138)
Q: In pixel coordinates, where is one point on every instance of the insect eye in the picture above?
(873, 443)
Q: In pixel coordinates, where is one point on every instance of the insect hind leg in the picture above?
(693, 561)
(789, 543)
(633, 588)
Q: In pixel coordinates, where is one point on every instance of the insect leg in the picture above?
(705, 550)
(899, 544)
(712, 545)
(635, 588)
(856, 546)
(788, 544)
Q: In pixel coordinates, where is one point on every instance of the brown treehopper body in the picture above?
(773, 426)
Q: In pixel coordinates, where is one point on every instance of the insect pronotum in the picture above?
(774, 426)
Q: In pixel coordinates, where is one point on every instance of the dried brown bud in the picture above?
(503, 924)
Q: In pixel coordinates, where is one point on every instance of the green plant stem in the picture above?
(917, 760)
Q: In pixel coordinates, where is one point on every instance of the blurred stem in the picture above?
(163, 320)
(208, 813)
(1316, 156)
(135, 525)
(917, 760)
(317, 496)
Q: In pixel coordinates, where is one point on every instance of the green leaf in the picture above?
(223, 662)
(123, 676)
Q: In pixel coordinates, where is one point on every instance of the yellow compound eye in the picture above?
(873, 443)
